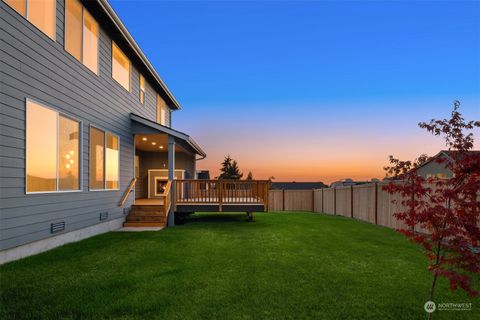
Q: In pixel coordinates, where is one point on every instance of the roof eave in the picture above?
(170, 131)
(133, 44)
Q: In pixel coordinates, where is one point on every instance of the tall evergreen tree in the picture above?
(250, 175)
(230, 170)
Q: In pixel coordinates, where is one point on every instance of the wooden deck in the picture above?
(221, 195)
(200, 195)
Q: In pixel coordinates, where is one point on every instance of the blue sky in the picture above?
(259, 78)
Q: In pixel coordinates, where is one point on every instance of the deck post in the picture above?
(171, 176)
(220, 194)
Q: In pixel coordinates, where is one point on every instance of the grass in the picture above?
(218, 266)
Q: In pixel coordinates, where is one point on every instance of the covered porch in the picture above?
(165, 180)
(161, 155)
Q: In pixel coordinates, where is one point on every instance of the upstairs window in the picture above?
(142, 90)
(41, 14)
(161, 111)
(81, 34)
(120, 67)
(52, 150)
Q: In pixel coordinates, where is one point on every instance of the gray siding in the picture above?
(36, 67)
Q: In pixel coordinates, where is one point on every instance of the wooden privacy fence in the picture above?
(367, 202)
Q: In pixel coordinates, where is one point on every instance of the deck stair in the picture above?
(146, 216)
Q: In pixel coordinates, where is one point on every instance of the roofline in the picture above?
(170, 131)
(433, 158)
(107, 8)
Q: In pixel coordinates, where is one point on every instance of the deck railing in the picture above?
(221, 192)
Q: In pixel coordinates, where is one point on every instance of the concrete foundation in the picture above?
(59, 240)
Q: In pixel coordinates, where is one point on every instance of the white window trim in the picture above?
(80, 142)
(26, 18)
(129, 69)
(104, 159)
(81, 53)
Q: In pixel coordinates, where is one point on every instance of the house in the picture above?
(203, 174)
(86, 126)
(434, 169)
(297, 185)
(349, 182)
(87, 143)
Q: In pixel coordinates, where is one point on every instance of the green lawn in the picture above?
(218, 266)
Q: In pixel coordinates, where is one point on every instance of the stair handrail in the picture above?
(166, 196)
(127, 192)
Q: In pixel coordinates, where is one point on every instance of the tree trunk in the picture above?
(432, 290)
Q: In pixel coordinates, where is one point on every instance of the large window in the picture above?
(52, 150)
(40, 13)
(120, 67)
(81, 34)
(104, 160)
(161, 111)
(142, 90)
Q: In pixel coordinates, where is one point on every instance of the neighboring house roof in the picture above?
(347, 183)
(455, 154)
(108, 10)
(296, 185)
(452, 155)
(144, 125)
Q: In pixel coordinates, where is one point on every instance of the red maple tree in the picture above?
(442, 215)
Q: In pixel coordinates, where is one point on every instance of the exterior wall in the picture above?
(159, 160)
(34, 66)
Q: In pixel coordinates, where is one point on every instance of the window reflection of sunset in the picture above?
(112, 159)
(68, 157)
(41, 149)
(52, 150)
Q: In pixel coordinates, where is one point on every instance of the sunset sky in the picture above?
(312, 90)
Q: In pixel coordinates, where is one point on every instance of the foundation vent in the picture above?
(103, 216)
(57, 227)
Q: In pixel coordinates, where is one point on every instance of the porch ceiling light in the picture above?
(154, 143)
(160, 147)
(144, 139)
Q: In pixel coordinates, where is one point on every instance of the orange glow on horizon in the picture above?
(327, 158)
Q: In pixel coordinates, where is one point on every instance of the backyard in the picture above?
(218, 266)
